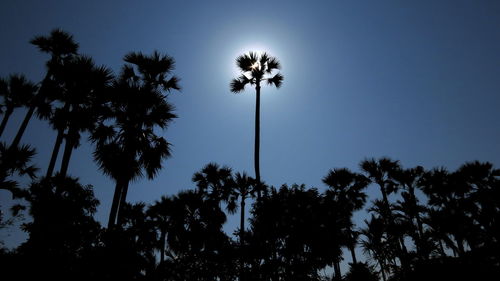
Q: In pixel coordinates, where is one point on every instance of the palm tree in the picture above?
(346, 188)
(216, 183)
(410, 208)
(375, 245)
(129, 147)
(243, 188)
(15, 160)
(85, 88)
(160, 212)
(256, 69)
(196, 243)
(16, 91)
(382, 172)
(61, 46)
(480, 181)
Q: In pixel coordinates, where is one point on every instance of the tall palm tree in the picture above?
(375, 245)
(412, 211)
(61, 46)
(244, 187)
(255, 70)
(347, 188)
(85, 93)
(129, 147)
(383, 172)
(16, 91)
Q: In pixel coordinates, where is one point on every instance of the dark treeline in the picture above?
(429, 224)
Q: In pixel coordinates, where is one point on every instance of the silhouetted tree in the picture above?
(244, 187)
(411, 211)
(61, 46)
(347, 188)
(216, 183)
(293, 235)
(382, 172)
(361, 272)
(84, 92)
(198, 249)
(129, 146)
(375, 244)
(256, 69)
(15, 161)
(62, 230)
(16, 92)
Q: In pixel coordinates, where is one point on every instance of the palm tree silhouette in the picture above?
(412, 211)
(375, 245)
(244, 187)
(215, 183)
(254, 70)
(61, 46)
(15, 160)
(347, 188)
(16, 91)
(383, 172)
(84, 94)
(130, 148)
(161, 212)
(196, 242)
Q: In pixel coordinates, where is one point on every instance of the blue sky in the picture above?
(413, 80)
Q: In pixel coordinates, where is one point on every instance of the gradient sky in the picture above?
(417, 81)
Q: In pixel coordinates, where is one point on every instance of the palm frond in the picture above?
(276, 80)
(237, 85)
(246, 61)
(59, 43)
(264, 58)
(272, 64)
(153, 155)
(172, 83)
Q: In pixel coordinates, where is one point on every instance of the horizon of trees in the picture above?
(428, 223)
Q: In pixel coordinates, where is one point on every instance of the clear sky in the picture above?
(417, 81)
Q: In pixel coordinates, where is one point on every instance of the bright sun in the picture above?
(255, 65)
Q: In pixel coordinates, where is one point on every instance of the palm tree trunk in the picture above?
(242, 220)
(382, 270)
(55, 152)
(441, 248)
(68, 149)
(162, 250)
(336, 271)
(115, 204)
(5, 119)
(35, 100)
(353, 254)
(257, 134)
(242, 231)
(352, 247)
(24, 125)
(460, 246)
(123, 201)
